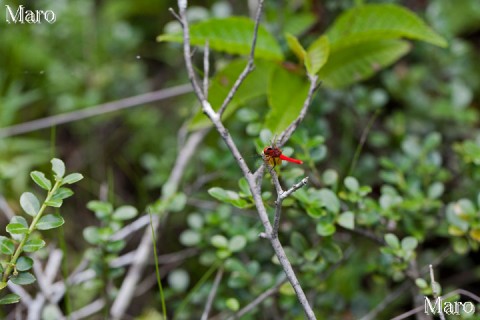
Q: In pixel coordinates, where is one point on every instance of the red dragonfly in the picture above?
(274, 156)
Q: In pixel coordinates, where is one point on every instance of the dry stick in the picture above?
(142, 255)
(215, 118)
(94, 111)
(212, 293)
(206, 69)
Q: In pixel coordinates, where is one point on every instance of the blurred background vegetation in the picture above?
(421, 155)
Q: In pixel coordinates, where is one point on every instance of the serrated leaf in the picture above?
(347, 220)
(58, 167)
(125, 213)
(317, 55)
(6, 246)
(360, 60)
(40, 179)
(9, 298)
(50, 221)
(16, 228)
(255, 85)
(23, 278)
(29, 203)
(231, 35)
(381, 21)
(72, 178)
(24, 263)
(296, 47)
(33, 245)
(286, 94)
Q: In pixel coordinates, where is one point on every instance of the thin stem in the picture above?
(363, 139)
(35, 220)
(157, 271)
(206, 69)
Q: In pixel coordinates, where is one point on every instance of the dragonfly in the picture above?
(274, 156)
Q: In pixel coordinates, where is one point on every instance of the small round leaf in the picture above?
(9, 299)
(23, 278)
(50, 221)
(125, 213)
(30, 203)
(33, 245)
(40, 179)
(24, 263)
(58, 167)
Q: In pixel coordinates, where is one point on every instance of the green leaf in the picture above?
(190, 238)
(23, 278)
(58, 167)
(232, 35)
(331, 252)
(232, 304)
(219, 241)
(91, 235)
(29, 203)
(33, 245)
(16, 228)
(6, 246)
(50, 221)
(347, 220)
(237, 243)
(298, 241)
(351, 183)
(286, 94)
(228, 196)
(392, 241)
(329, 200)
(125, 213)
(255, 85)
(297, 23)
(296, 47)
(177, 202)
(40, 179)
(62, 193)
(24, 263)
(115, 246)
(325, 229)
(102, 209)
(56, 203)
(409, 243)
(380, 21)
(72, 178)
(10, 298)
(317, 55)
(360, 60)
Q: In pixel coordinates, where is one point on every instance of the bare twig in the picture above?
(250, 64)
(6, 209)
(285, 135)
(206, 69)
(251, 180)
(94, 111)
(282, 195)
(212, 294)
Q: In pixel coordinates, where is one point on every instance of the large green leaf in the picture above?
(232, 35)
(317, 55)
(253, 86)
(360, 60)
(286, 94)
(380, 21)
